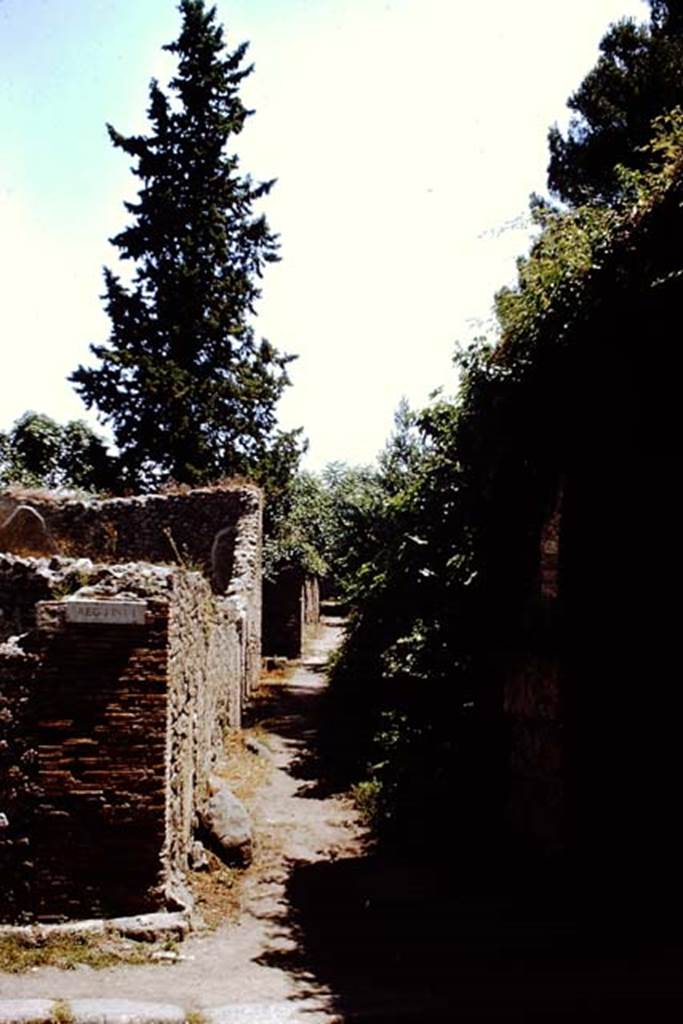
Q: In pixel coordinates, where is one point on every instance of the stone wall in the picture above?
(17, 771)
(215, 530)
(244, 584)
(115, 692)
(536, 727)
(109, 731)
(205, 686)
(25, 582)
(535, 709)
(291, 612)
(168, 528)
(311, 602)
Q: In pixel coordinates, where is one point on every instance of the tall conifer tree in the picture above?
(188, 389)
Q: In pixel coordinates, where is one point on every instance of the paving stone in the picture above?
(150, 927)
(254, 1013)
(26, 1011)
(124, 1011)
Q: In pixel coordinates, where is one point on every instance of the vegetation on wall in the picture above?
(452, 589)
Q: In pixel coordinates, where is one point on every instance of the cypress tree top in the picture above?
(189, 391)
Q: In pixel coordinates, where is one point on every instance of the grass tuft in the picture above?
(23, 953)
(62, 1013)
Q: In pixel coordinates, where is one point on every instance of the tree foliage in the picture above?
(39, 452)
(638, 77)
(327, 522)
(189, 390)
(452, 587)
(324, 524)
(400, 459)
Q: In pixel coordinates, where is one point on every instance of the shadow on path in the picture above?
(393, 941)
(444, 939)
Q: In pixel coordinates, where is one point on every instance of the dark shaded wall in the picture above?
(595, 709)
(291, 612)
(87, 742)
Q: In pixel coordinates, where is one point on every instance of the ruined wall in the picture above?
(115, 698)
(97, 714)
(111, 720)
(25, 582)
(535, 709)
(205, 683)
(216, 530)
(89, 753)
(244, 588)
(150, 528)
(311, 609)
(17, 771)
(291, 612)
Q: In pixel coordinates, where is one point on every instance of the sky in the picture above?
(405, 136)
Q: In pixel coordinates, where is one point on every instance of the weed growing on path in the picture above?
(62, 1013)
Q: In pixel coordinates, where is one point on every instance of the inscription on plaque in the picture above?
(111, 613)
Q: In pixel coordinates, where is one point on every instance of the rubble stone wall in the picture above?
(205, 682)
(24, 582)
(17, 772)
(159, 528)
(245, 589)
(111, 726)
(215, 530)
(109, 731)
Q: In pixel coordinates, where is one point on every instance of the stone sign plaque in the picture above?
(107, 613)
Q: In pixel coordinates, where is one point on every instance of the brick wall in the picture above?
(109, 729)
(534, 709)
(108, 734)
(534, 704)
(216, 530)
(98, 713)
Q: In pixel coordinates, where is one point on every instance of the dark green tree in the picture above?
(638, 76)
(401, 458)
(188, 389)
(39, 452)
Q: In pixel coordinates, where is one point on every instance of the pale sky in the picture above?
(406, 137)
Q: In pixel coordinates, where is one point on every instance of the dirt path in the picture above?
(243, 967)
(329, 933)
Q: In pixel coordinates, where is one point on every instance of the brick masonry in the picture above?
(534, 708)
(110, 729)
